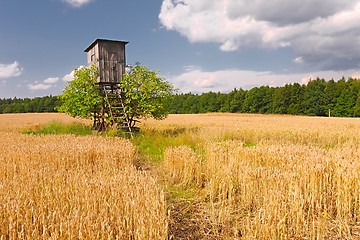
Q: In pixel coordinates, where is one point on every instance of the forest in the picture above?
(27, 105)
(317, 98)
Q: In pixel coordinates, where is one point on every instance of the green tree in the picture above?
(346, 102)
(314, 98)
(81, 97)
(18, 107)
(210, 102)
(8, 109)
(331, 94)
(145, 94)
(233, 101)
(357, 107)
(191, 104)
(280, 100)
(258, 100)
(296, 92)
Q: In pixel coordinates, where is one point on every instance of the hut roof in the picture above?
(103, 40)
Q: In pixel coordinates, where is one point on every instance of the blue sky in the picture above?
(198, 45)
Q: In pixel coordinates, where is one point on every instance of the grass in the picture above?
(56, 127)
(152, 143)
(178, 192)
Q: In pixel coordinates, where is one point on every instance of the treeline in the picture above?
(317, 98)
(28, 105)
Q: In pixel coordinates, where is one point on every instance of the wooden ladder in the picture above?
(115, 102)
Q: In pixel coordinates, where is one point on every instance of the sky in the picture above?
(197, 45)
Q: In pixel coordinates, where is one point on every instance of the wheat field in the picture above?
(20, 122)
(268, 177)
(222, 176)
(68, 187)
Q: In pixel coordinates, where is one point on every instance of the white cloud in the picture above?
(190, 68)
(325, 33)
(10, 70)
(51, 80)
(305, 80)
(355, 75)
(298, 60)
(77, 3)
(69, 77)
(39, 86)
(46, 84)
(198, 81)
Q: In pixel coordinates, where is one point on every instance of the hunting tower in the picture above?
(109, 58)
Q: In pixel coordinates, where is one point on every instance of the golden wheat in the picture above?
(180, 172)
(271, 177)
(24, 121)
(254, 177)
(67, 187)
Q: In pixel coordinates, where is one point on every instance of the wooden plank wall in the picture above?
(110, 58)
(111, 62)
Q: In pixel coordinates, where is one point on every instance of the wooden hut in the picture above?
(109, 56)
